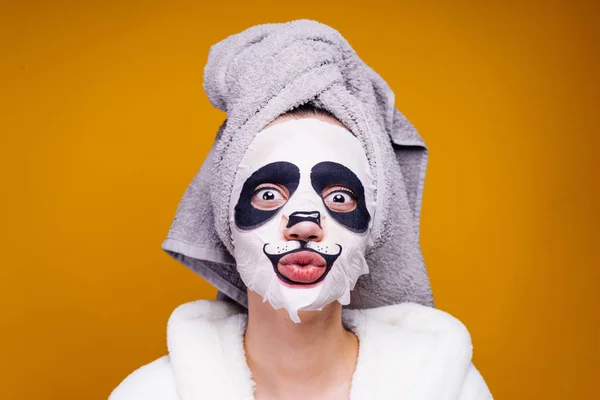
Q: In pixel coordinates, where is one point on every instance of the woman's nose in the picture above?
(306, 230)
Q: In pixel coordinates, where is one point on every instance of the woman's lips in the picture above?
(302, 266)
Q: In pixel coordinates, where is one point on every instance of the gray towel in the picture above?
(259, 74)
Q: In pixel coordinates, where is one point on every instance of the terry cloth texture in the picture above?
(406, 351)
(259, 74)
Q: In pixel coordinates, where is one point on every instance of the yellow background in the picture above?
(104, 123)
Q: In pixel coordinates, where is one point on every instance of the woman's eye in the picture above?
(269, 197)
(339, 199)
(269, 194)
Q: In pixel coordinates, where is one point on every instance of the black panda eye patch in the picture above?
(282, 173)
(329, 173)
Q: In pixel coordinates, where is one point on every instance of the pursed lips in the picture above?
(302, 267)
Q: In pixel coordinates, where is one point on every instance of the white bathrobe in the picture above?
(406, 352)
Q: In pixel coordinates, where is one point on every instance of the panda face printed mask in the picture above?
(301, 212)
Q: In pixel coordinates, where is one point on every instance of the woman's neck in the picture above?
(315, 358)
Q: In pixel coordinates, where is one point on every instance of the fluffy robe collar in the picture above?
(406, 351)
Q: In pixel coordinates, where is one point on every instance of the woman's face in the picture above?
(301, 211)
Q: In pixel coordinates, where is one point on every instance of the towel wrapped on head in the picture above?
(261, 73)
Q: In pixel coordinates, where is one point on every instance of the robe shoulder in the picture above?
(153, 381)
(474, 386)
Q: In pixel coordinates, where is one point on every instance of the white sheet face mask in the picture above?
(301, 212)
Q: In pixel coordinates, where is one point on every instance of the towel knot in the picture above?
(245, 71)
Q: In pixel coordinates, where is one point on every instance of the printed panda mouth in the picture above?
(302, 266)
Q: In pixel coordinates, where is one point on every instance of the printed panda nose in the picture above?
(304, 226)
(304, 231)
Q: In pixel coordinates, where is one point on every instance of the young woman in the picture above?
(309, 201)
